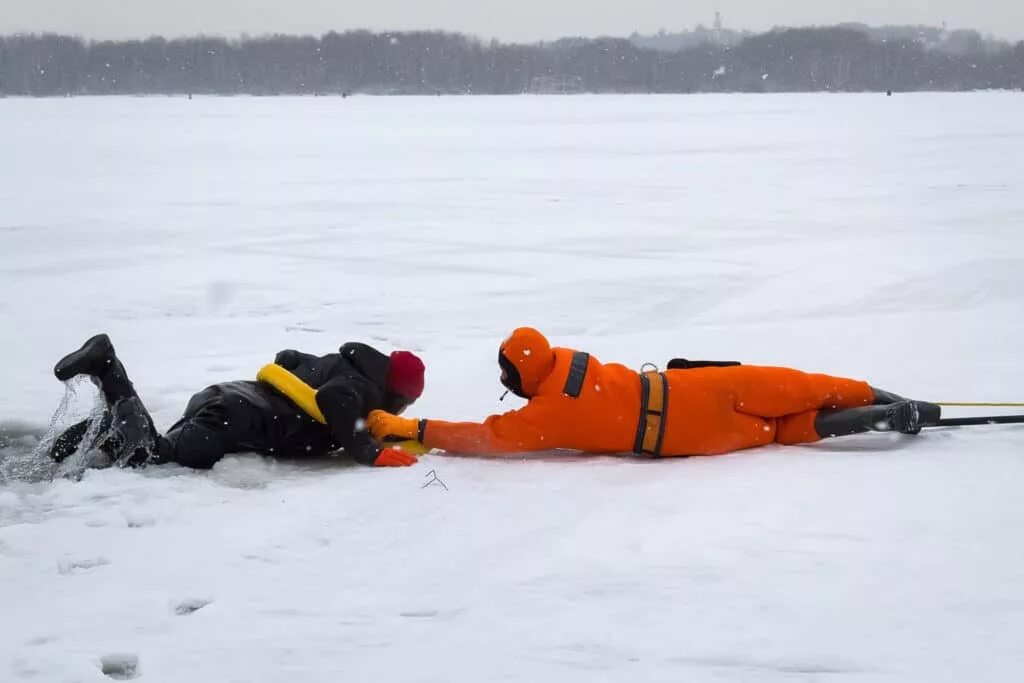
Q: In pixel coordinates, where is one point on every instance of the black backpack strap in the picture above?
(684, 364)
(577, 373)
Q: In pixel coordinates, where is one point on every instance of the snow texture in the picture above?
(853, 234)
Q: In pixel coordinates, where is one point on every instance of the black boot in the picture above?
(70, 440)
(93, 358)
(97, 359)
(908, 417)
(905, 417)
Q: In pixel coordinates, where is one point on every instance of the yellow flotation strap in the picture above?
(304, 397)
(300, 393)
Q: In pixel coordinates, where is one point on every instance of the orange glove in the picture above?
(385, 426)
(394, 457)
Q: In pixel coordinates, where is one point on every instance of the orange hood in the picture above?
(526, 360)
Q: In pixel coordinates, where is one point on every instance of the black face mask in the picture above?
(510, 376)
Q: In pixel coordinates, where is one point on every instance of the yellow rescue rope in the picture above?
(981, 404)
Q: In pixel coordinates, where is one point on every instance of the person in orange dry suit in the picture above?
(693, 408)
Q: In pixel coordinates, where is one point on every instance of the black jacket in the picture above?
(349, 385)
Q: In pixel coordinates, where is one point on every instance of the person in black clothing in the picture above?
(249, 416)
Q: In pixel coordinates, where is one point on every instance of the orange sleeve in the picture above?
(526, 429)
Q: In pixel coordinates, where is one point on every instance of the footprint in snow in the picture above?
(190, 606)
(419, 614)
(139, 522)
(72, 566)
(120, 667)
(39, 641)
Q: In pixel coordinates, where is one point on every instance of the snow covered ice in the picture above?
(853, 234)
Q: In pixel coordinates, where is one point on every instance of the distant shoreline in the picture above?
(833, 59)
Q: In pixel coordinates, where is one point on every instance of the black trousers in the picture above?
(203, 435)
(210, 429)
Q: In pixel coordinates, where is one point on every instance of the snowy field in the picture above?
(861, 235)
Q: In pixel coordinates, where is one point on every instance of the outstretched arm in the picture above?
(526, 429)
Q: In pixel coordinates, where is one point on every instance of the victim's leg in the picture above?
(68, 442)
(203, 435)
(127, 433)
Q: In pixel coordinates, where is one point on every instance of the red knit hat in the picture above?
(405, 374)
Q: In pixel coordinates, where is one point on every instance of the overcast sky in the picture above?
(524, 20)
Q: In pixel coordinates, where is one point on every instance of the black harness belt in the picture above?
(650, 429)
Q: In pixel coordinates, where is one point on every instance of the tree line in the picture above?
(782, 60)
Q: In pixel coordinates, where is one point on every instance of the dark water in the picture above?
(20, 456)
(24, 446)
